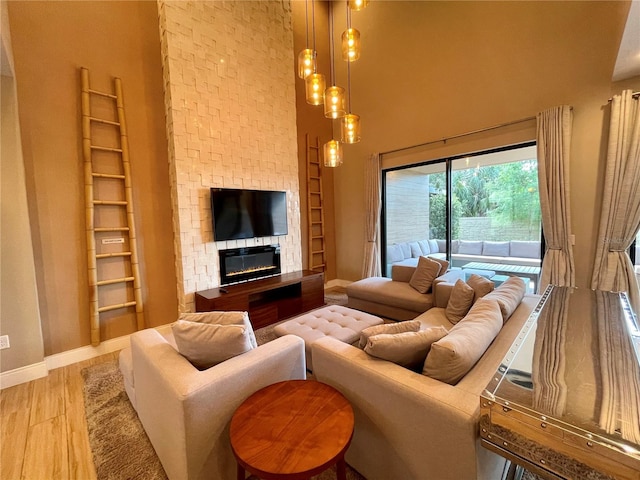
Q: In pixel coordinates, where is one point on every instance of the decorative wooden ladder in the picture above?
(315, 218)
(115, 170)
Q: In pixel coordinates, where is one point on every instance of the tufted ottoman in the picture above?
(335, 321)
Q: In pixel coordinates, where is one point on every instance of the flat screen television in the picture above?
(240, 213)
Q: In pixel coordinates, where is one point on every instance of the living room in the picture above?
(429, 70)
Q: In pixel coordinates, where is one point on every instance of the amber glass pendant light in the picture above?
(314, 83)
(332, 153)
(357, 5)
(307, 57)
(334, 96)
(350, 123)
(350, 41)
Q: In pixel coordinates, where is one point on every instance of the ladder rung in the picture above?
(115, 307)
(102, 120)
(111, 229)
(318, 237)
(320, 265)
(316, 223)
(116, 254)
(109, 202)
(317, 252)
(316, 208)
(108, 175)
(106, 149)
(314, 178)
(103, 94)
(315, 193)
(114, 280)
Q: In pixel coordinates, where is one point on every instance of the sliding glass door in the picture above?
(482, 208)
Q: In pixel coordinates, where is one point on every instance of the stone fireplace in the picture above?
(249, 263)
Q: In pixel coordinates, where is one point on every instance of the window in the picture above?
(483, 207)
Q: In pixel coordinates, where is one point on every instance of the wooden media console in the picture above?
(268, 300)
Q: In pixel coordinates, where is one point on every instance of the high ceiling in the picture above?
(628, 61)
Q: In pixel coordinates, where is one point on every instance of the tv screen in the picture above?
(239, 213)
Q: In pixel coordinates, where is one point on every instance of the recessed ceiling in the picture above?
(628, 61)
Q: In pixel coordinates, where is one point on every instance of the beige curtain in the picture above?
(620, 217)
(371, 263)
(554, 146)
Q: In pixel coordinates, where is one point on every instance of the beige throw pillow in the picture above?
(206, 345)
(460, 301)
(426, 272)
(222, 318)
(453, 356)
(407, 349)
(481, 285)
(508, 295)
(395, 327)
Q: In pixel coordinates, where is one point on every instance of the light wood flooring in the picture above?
(43, 431)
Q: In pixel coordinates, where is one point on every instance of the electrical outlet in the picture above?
(4, 342)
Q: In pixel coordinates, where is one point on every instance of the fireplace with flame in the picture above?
(249, 263)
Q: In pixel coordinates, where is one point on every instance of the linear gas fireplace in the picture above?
(250, 263)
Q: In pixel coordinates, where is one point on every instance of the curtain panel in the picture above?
(371, 262)
(554, 146)
(620, 216)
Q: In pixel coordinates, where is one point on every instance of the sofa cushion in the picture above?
(406, 250)
(495, 249)
(434, 246)
(470, 247)
(508, 295)
(221, 318)
(416, 251)
(442, 245)
(424, 246)
(426, 272)
(524, 249)
(391, 328)
(444, 264)
(481, 285)
(460, 301)
(455, 354)
(407, 349)
(394, 253)
(206, 345)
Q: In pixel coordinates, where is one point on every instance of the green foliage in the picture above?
(437, 217)
(515, 193)
(470, 186)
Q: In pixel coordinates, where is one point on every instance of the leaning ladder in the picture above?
(130, 257)
(315, 217)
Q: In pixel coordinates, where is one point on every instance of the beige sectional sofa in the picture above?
(394, 297)
(412, 426)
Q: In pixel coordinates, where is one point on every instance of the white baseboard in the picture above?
(336, 282)
(62, 359)
(23, 375)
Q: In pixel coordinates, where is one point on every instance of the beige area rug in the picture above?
(121, 449)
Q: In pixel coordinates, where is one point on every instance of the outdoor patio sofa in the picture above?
(513, 252)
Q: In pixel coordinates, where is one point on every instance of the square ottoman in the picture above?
(335, 321)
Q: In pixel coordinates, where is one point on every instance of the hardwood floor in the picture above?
(43, 431)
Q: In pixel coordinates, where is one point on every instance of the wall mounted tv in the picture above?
(239, 213)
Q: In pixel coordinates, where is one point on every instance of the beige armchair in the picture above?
(186, 412)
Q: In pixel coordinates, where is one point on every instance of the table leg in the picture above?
(341, 469)
(241, 474)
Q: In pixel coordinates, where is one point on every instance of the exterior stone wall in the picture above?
(228, 70)
(481, 228)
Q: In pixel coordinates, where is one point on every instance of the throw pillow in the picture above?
(206, 345)
(426, 272)
(452, 357)
(434, 246)
(222, 318)
(407, 349)
(470, 247)
(508, 295)
(395, 327)
(416, 251)
(481, 285)
(424, 246)
(460, 301)
(444, 264)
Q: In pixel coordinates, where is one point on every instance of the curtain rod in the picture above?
(444, 140)
(634, 94)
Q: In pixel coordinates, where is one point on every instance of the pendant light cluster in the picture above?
(336, 101)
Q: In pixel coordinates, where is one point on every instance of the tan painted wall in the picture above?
(51, 41)
(228, 68)
(430, 70)
(311, 120)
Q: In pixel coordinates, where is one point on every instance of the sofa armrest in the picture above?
(186, 412)
(406, 423)
(402, 273)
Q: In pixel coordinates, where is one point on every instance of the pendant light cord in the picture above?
(348, 64)
(333, 67)
(306, 22)
(313, 31)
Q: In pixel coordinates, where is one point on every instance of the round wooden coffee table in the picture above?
(292, 430)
